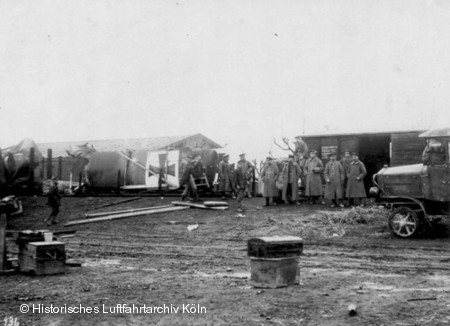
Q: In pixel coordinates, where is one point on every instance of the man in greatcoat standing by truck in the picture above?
(334, 178)
(269, 176)
(313, 170)
(291, 173)
(355, 184)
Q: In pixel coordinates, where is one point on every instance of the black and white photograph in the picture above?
(220, 162)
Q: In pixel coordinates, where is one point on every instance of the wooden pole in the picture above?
(49, 163)
(31, 174)
(2, 241)
(59, 167)
(42, 168)
(117, 216)
(118, 181)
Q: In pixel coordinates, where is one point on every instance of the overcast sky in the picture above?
(240, 72)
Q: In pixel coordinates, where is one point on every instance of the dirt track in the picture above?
(154, 260)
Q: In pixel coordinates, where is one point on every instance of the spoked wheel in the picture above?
(404, 222)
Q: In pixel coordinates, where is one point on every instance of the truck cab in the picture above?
(418, 195)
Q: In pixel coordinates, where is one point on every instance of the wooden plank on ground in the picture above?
(215, 203)
(116, 203)
(124, 215)
(87, 215)
(188, 204)
(194, 205)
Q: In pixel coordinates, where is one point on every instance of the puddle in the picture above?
(241, 275)
(378, 287)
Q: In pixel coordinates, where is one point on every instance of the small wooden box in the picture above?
(274, 272)
(43, 258)
(275, 247)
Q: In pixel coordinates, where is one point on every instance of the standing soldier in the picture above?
(269, 175)
(345, 162)
(185, 173)
(290, 173)
(247, 168)
(355, 185)
(301, 149)
(225, 183)
(313, 169)
(334, 177)
(54, 201)
(240, 177)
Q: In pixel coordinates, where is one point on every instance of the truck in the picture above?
(417, 195)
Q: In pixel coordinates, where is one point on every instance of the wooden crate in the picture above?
(42, 258)
(275, 247)
(274, 272)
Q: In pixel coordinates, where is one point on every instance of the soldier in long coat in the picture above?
(334, 178)
(313, 170)
(225, 179)
(355, 176)
(290, 174)
(269, 176)
(247, 168)
(345, 162)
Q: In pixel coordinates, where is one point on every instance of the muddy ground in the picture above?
(154, 260)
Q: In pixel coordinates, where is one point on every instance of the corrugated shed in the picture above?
(122, 145)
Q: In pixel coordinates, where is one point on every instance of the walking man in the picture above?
(54, 201)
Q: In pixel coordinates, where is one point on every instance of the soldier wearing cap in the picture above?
(290, 174)
(225, 177)
(334, 178)
(355, 185)
(269, 176)
(240, 177)
(313, 170)
(301, 148)
(247, 169)
(345, 162)
(54, 201)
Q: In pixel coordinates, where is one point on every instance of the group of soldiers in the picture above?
(281, 178)
(343, 179)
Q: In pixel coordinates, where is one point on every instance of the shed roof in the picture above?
(360, 133)
(121, 145)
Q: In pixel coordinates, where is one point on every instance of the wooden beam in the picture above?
(87, 215)
(117, 216)
(49, 163)
(116, 203)
(215, 203)
(2, 241)
(193, 205)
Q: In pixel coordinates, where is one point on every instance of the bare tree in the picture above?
(286, 146)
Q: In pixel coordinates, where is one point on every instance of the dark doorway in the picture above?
(374, 152)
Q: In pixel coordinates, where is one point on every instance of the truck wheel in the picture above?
(404, 222)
